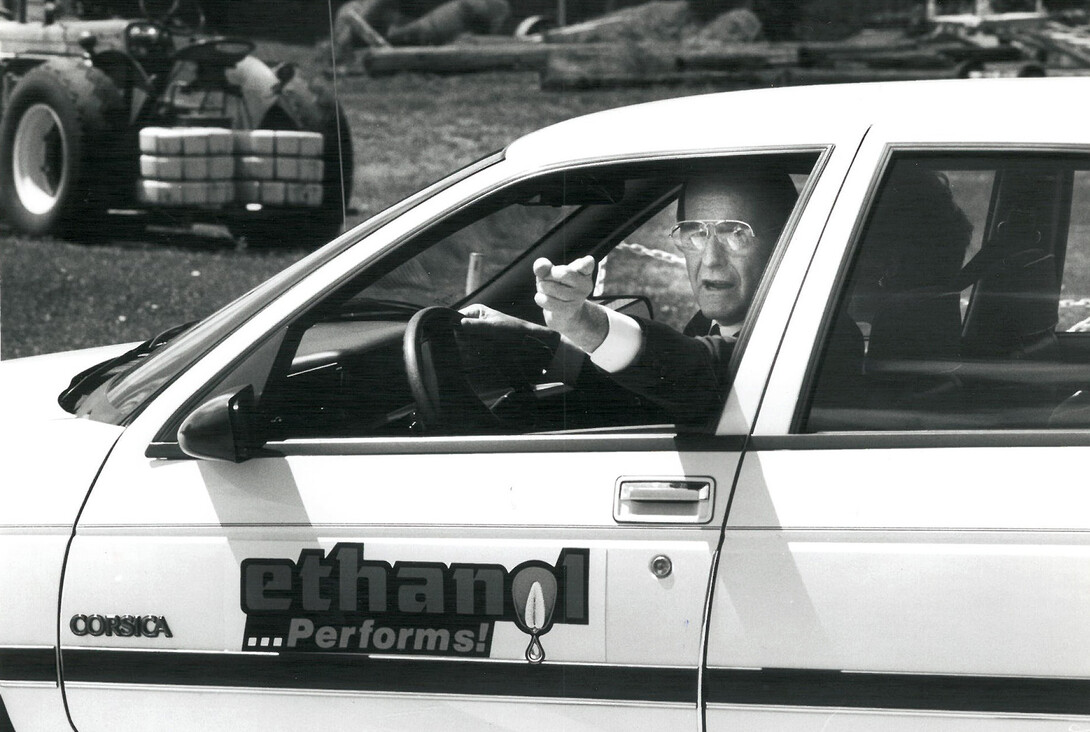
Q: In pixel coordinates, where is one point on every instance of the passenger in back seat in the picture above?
(903, 296)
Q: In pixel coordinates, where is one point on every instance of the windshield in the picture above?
(118, 400)
(465, 257)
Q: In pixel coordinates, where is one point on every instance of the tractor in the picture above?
(103, 113)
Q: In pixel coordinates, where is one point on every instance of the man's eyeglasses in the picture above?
(694, 236)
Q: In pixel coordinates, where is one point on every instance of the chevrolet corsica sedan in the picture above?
(329, 505)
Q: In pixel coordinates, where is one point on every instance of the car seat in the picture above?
(1011, 317)
(1013, 309)
(913, 357)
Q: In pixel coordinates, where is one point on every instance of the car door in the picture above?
(244, 588)
(907, 543)
(405, 582)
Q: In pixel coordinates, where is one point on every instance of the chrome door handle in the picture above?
(680, 491)
(666, 500)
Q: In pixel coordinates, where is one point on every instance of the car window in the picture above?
(967, 302)
(341, 368)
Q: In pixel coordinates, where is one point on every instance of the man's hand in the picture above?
(562, 292)
(487, 322)
(514, 347)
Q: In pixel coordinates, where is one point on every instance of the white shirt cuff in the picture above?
(622, 343)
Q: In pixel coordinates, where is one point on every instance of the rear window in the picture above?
(967, 304)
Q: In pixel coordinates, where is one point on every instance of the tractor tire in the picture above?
(61, 156)
(311, 108)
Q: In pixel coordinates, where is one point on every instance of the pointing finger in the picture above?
(542, 267)
(584, 265)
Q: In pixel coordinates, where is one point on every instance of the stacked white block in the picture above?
(206, 166)
(186, 166)
(278, 167)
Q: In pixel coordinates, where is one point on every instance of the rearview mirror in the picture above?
(577, 189)
(223, 428)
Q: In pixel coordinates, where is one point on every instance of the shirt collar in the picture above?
(730, 330)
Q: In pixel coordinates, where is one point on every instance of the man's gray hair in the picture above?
(774, 189)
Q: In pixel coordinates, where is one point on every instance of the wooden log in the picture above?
(917, 55)
(982, 54)
(351, 24)
(576, 66)
(729, 56)
(825, 54)
(454, 59)
(449, 20)
(908, 60)
(719, 79)
(558, 78)
(800, 76)
(674, 56)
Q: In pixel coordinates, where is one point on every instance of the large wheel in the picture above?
(311, 108)
(59, 156)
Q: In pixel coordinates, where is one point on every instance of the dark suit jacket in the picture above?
(686, 376)
(698, 325)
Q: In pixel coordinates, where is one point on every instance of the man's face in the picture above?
(724, 281)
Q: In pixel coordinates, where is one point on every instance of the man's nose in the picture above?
(716, 253)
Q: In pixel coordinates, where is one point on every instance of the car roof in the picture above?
(1030, 110)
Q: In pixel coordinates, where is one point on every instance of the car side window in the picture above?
(967, 304)
(349, 366)
(350, 375)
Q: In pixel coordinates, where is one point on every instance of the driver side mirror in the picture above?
(223, 428)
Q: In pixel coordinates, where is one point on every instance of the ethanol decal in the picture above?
(348, 604)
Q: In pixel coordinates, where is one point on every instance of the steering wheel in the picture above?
(445, 400)
(173, 14)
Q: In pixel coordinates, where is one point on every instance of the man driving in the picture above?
(727, 230)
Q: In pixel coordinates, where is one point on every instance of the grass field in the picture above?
(407, 131)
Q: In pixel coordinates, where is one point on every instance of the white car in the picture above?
(376, 524)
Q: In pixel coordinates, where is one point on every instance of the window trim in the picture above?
(659, 441)
(930, 439)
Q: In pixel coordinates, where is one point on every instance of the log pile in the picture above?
(615, 51)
